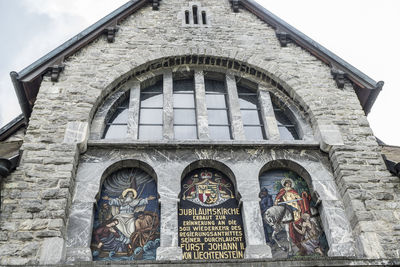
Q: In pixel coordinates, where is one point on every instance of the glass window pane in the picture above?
(215, 86)
(250, 117)
(120, 116)
(158, 87)
(153, 116)
(185, 132)
(116, 131)
(253, 132)
(183, 85)
(248, 101)
(151, 101)
(218, 117)
(288, 133)
(184, 100)
(184, 116)
(281, 118)
(220, 132)
(215, 101)
(147, 132)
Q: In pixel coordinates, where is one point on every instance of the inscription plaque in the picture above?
(210, 221)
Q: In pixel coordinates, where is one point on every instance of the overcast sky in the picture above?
(363, 32)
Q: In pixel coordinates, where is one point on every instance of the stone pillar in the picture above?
(133, 114)
(268, 115)
(256, 247)
(169, 249)
(168, 115)
(235, 116)
(201, 106)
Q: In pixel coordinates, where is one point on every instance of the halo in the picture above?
(129, 190)
(286, 179)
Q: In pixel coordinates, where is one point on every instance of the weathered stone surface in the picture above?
(52, 251)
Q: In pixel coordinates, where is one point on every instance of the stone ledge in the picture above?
(328, 261)
(107, 143)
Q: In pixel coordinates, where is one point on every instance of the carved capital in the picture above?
(283, 37)
(235, 5)
(110, 32)
(55, 71)
(155, 4)
(339, 76)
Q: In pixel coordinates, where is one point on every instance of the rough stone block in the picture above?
(52, 251)
(77, 133)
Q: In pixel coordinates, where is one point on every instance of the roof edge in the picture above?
(303, 39)
(80, 36)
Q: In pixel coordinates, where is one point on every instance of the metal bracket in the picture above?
(339, 76)
(110, 32)
(283, 37)
(235, 5)
(155, 4)
(55, 71)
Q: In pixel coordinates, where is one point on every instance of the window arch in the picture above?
(117, 123)
(207, 105)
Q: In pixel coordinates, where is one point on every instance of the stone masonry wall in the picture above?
(36, 197)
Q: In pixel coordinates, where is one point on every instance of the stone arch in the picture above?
(299, 110)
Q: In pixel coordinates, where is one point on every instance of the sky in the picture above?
(362, 32)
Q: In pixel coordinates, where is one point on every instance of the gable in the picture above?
(27, 81)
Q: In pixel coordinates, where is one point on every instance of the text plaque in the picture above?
(210, 221)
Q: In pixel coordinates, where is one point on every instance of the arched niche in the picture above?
(291, 221)
(209, 218)
(127, 215)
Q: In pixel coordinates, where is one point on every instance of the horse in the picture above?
(279, 217)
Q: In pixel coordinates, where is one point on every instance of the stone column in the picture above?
(256, 246)
(133, 114)
(268, 115)
(169, 249)
(168, 115)
(201, 106)
(235, 115)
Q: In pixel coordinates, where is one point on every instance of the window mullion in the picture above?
(235, 115)
(268, 115)
(133, 112)
(201, 106)
(168, 105)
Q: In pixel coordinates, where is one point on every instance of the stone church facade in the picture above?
(72, 141)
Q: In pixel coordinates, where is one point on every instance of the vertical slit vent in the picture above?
(187, 17)
(195, 18)
(204, 17)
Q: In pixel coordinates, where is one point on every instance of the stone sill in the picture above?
(116, 143)
(329, 261)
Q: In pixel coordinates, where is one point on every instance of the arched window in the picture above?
(151, 112)
(250, 110)
(291, 221)
(217, 110)
(117, 125)
(286, 125)
(127, 224)
(185, 126)
(208, 106)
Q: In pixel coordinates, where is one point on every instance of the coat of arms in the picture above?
(207, 189)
